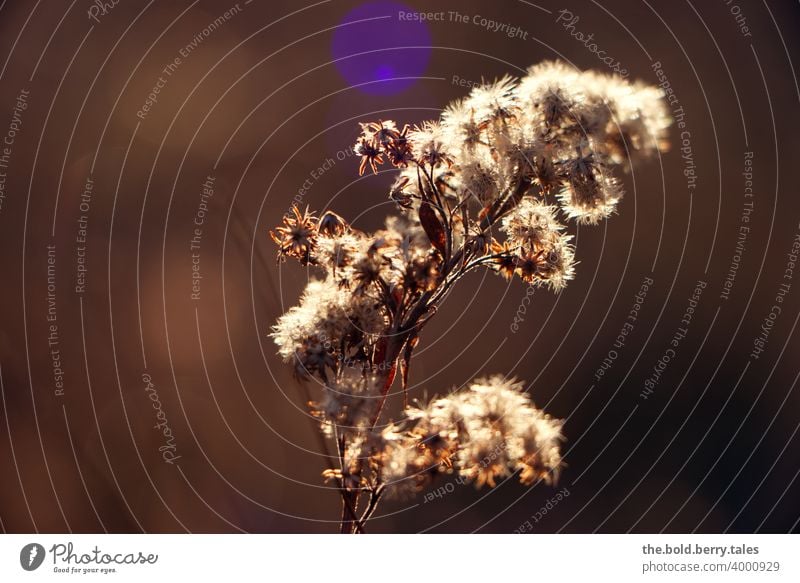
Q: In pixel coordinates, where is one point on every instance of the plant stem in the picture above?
(348, 504)
(374, 498)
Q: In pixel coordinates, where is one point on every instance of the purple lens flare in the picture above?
(380, 48)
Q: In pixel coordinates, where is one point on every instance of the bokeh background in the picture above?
(266, 101)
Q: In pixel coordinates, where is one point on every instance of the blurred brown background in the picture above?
(259, 105)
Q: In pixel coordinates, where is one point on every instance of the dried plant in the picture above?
(482, 187)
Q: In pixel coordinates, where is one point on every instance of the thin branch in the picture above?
(374, 498)
(347, 505)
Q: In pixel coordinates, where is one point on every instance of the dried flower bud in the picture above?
(297, 237)
(382, 133)
(459, 121)
(371, 155)
(479, 181)
(335, 253)
(349, 402)
(494, 102)
(314, 355)
(592, 193)
(531, 224)
(332, 224)
(431, 145)
(504, 258)
(399, 192)
(552, 265)
(399, 150)
(422, 272)
(367, 270)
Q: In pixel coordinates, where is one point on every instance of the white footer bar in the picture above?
(400, 558)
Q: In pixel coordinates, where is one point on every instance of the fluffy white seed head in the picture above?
(486, 432)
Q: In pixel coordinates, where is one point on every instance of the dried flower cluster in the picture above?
(487, 431)
(486, 185)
